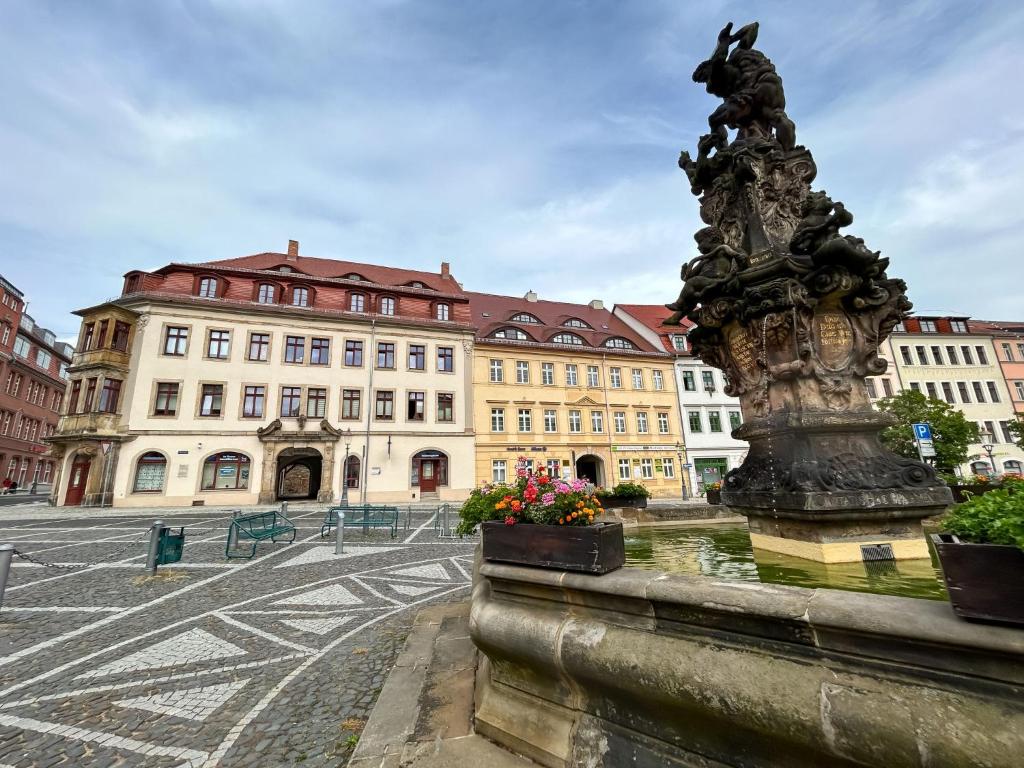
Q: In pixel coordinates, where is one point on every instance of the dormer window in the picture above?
(355, 276)
(208, 288)
(267, 293)
(619, 343)
(416, 284)
(575, 322)
(357, 302)
(387, 305)
(510, 333)
(300, 296)
(442, 311)
(284, 268)
(525, 317)
(679, 342)
(567, 338)
(131, 285)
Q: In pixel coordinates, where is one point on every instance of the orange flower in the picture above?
(516, 505)
(561, 521)
(588, 511)
(579, 505)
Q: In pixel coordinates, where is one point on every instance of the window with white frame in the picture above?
(593, 376)
(668, 466)
(497, 371)
(647, 469)
(709, 380)
(550, 420)
(619, 418)
(497, 419)
(554, 467)
(927, 326)
(575, 421)
(641, 422)
(547, 373)
(679, 342)
(570, 375)
(615, 378)
(525, 420)
(499, 471)
(638, 378)
(387, 305)
(659, 379)
(663, 423)
(623, 469)
(596, 421)
(522, 372)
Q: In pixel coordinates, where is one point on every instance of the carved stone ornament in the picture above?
(789, 308)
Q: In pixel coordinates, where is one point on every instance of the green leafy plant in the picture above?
(996, 517)
(716, 486)
(626, 491)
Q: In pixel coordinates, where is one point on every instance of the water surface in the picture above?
(725, 552)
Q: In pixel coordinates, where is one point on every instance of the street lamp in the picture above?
(987, 445)
(347, 437)
(682, 471)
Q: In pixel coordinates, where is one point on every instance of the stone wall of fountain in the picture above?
(794, 312)
(641, 669)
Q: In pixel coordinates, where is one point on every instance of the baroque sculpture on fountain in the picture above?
(793, 311)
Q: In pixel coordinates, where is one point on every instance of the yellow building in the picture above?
(574, 389)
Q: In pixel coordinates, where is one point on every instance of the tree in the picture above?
(1017, 430)
(951, 432)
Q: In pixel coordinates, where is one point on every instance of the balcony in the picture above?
(105, 357)
(87, 423)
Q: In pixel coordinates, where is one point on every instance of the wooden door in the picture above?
(428, 476)
(76, 483)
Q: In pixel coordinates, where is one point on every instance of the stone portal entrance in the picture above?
(590, 468)
(299, 472)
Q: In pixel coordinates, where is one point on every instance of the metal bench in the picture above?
(365, 516)
(258, 527)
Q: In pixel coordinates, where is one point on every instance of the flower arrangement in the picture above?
(534, 497)
(715, 486)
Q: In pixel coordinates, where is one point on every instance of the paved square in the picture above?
(273, 661)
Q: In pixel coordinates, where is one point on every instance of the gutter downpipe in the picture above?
(371, 405)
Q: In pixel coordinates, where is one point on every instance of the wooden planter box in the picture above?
(714, 497)
(985, 581)
(616, 502)
(596, 549)
(962, 493)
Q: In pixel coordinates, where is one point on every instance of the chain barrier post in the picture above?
(6, 554)
(339, 542)
(154, 546)
(284, 509)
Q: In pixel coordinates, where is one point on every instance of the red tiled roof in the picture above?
(335, 268)
(654, 316)
(492, 312)
(1012, 328)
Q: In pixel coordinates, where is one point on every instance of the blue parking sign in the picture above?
(923, 431)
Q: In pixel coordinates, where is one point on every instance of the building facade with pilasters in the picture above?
(270, 377)
(573, 389)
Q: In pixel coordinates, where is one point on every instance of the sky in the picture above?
(531, 143)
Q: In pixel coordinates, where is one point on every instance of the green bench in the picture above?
(258, 527)
(365, 516)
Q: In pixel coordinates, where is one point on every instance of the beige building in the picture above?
(947, 359)
(274, 376)
(576, 390)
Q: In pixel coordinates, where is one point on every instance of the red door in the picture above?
(76, 483)
(428, 476)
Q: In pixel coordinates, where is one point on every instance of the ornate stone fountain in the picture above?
(793, 313)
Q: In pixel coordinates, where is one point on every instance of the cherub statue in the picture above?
(716, 265)
(754, 101)
(817, 238)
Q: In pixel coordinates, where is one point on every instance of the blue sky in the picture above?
(531, 144)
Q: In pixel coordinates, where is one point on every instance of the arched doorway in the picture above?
(77, 478)
(298, 473)
(429, 471)
(590, 468)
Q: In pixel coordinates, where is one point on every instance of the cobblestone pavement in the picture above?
(274, 661)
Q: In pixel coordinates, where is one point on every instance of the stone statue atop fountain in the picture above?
(794, 312)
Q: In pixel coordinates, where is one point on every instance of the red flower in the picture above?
(517, 505)
(510, 520)
(543, 480)
(530, 494)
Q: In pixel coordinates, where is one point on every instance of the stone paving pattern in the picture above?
(274, 661)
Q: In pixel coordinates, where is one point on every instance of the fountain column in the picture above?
(793, 313)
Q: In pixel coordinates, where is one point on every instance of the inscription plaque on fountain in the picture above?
(833, 339)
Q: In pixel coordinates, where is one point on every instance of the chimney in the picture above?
(446, 270)
(531, 296)
(293, 250)
(596, 304)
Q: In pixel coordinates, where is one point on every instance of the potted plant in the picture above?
(975, 485)
(625, 495)
(714, 492)
(543, 521)
(982, 555)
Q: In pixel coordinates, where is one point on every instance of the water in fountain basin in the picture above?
(724, 552)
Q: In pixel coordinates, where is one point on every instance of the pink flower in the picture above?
(547, 499)
(509, 520)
